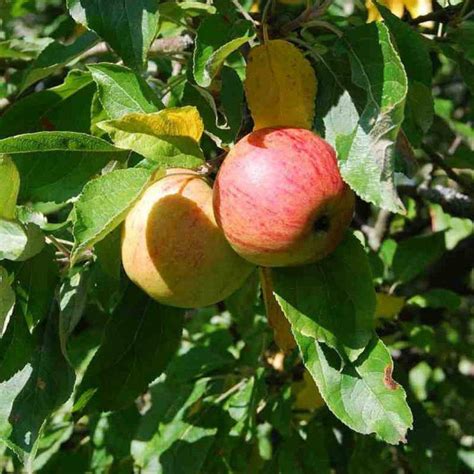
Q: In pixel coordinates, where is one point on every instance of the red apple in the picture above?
(172, 247)
(279, 198)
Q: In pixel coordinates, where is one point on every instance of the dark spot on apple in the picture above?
(321, 224)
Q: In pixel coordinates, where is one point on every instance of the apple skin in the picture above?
(172, 247)
(279, 198)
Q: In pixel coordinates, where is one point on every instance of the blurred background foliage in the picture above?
(230, 400)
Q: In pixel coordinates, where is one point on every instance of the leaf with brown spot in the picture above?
(362, 394)
(387, 378)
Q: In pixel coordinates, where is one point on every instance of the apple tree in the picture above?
(236, 236)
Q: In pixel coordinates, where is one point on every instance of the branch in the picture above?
(438, 160)
(315, 11)
(452, 202)
(376, 233)
(166, 46)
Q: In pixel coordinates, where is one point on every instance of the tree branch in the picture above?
(439, 161)
(317, 10)
(452, 202)
(165, 46)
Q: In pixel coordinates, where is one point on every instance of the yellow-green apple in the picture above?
(279, 198)
(172, 247)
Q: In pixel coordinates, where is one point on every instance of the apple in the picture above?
(279, 198)
(172, 247)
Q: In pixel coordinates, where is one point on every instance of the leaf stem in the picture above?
(59, 245)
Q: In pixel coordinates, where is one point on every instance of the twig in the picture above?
(324, 24)
(452, 201)
(315, 11)
(52, 240)
(243, 12)
(376, 233)
(438, 160)
(231, 390)
(161, 46)
(212, 166)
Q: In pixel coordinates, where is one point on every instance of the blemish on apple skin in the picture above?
(387, 378)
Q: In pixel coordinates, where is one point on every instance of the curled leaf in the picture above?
(169, 137)
(183, 121)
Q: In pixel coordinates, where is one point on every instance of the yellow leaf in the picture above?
(418, 8)
(306, 393)
(277, 320)
(395, 6)
(388, 306)
(168, 137)
(280, 86)
(183, 121)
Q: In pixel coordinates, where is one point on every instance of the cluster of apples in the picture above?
(278, 200)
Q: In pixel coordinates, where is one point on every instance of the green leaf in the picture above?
(413, 255)
(18, 49)
(103, 205)
(72, 302)
(18, 242)
(415, 57)
(9, 187)
(49, 386)
(362, 394)
(445, 109)
(242, 303)
(138, 342)
(369, 456)
(431, 449)
(35, 285)
(437, 298)
(50, 443)
(56, 141)
(9, 390)
(462, 158)
(170, 436)
(464, 36)
(223, 125)
(129, 26)
(16, 348)
(217, 38)
(56, 56)
(365, 141)
(7, 301)
(54, 166)
(325, 302)
(173, 15)
(106, 270)
(122, 91)
(419, 377)
(49, 109)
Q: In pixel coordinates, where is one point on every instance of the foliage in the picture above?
(367, 364)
